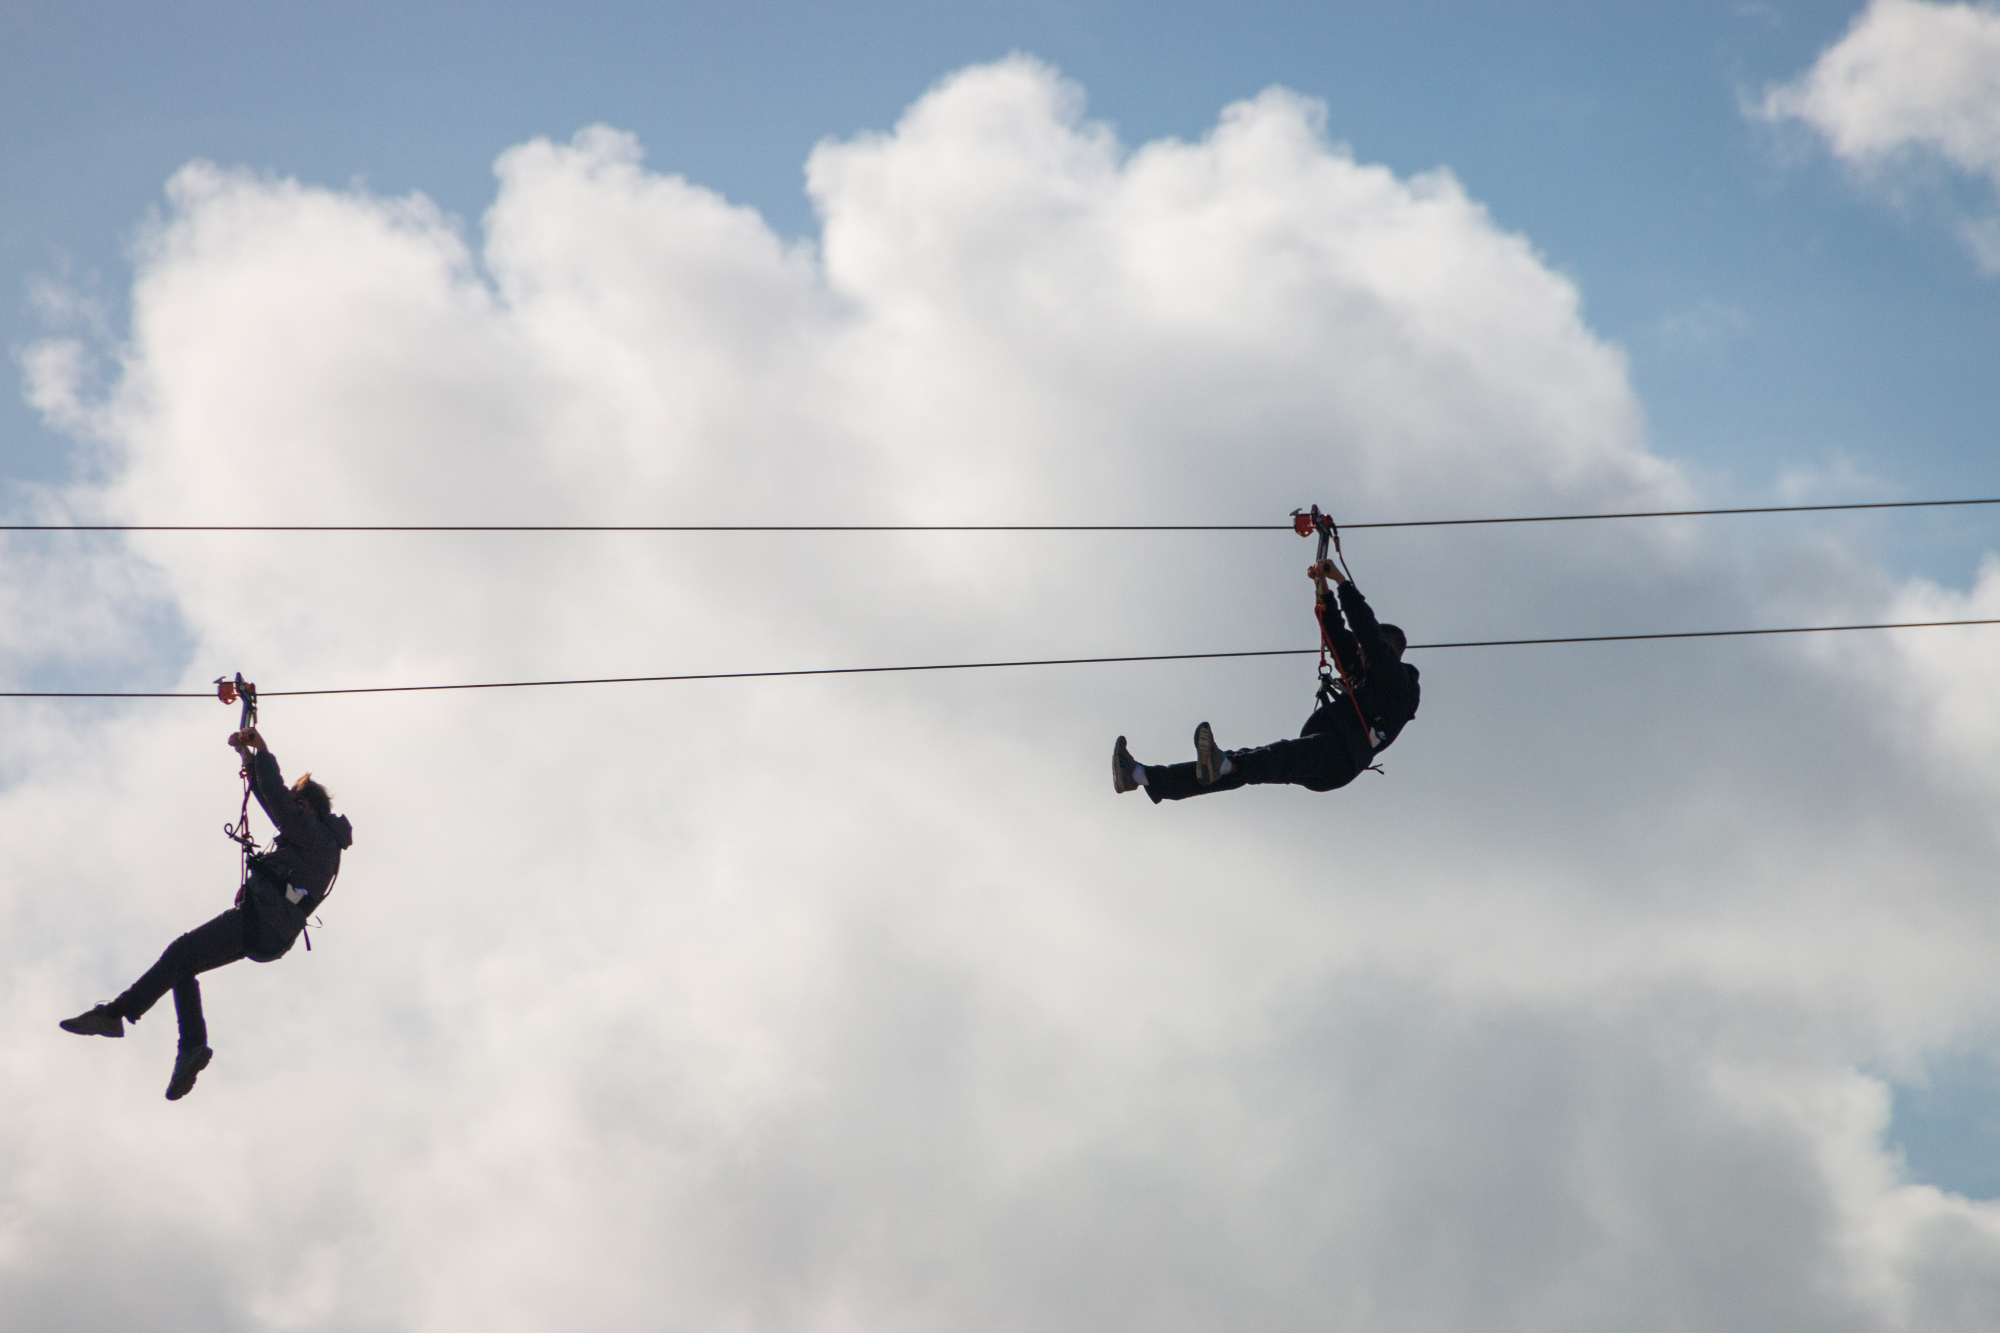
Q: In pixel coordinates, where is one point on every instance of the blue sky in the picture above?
(1652, 984)
(1777, 318)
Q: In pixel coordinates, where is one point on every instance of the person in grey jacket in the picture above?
(283, 887)
(1339, 741)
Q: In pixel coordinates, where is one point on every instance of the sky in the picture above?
(1648, 988)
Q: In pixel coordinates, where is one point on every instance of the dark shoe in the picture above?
(1207, 759)
(187, 1065)
(1124, 776)
(103, 1021)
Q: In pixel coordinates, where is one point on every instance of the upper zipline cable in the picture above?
(973, 666)
(955, 527)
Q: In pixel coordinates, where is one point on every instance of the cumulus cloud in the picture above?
(1910, 78)
(862, 1003)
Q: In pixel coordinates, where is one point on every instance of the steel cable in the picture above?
(980, 666)
(958, 527)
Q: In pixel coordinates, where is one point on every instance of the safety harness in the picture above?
(242, 691)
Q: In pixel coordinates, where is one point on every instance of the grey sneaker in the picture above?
(103, 1021)
(1207, 759)
(187, 1065)
(1123, 776)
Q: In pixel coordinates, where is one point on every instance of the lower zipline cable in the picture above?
(978, 666)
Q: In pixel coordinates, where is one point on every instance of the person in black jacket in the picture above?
(283, 888)
(1339, 741)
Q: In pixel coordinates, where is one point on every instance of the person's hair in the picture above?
(1397, 639)
(314, 795)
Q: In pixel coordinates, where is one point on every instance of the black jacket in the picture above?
(1385, 685)
(290, 881)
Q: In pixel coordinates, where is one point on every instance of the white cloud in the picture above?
(1909, 78)
(1908, 74)
(862, 1002)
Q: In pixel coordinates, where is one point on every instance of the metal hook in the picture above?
(239, 690)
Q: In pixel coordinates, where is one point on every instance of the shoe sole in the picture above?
(1204, 756)
(1121, 769)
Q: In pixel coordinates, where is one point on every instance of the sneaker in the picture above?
(103, 1021)
(187, 1065)
(1207, 759)
(1123, 778)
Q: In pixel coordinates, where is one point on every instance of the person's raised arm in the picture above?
(1367, 630)
(1345, 648)
(268, 783)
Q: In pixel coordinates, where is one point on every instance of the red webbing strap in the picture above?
(1326, 650)
(1323, 524)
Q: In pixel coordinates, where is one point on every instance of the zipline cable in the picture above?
(978, 666)
(955, 527)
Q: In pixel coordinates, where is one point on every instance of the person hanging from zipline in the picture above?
(1366, 697)
(281, 888)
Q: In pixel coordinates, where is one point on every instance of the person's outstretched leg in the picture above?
(213, 944)
(1174, 782)
(208, 946)
(1164, 782)
(1318, 762)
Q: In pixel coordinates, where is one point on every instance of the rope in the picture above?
(241, 691)
(1328, 530)
(955, 527)
(239, 833)
(977, 666)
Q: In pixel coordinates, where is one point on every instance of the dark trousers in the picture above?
(1319, 762)
(203, 949)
